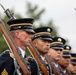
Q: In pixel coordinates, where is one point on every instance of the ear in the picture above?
(34, 42)
(17, 34)
(49, 52)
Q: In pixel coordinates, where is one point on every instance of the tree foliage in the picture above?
(32, 11)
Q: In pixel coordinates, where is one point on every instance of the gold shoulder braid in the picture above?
(12, 55)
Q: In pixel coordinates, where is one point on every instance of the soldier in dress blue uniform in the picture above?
(72, 66)
(55, 52)
(65, 59)
(41, 41)
(73, 58)
(22, 33)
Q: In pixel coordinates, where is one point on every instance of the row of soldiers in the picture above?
(53, 51)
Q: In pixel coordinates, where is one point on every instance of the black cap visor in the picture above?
(28, 29)
(43, 37)
(57, 46)
(47, 39)
(66, 55)
(73, 61)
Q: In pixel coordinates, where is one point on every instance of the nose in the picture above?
(59, 51)
(48, 44)
(75, 67)
(68, 59)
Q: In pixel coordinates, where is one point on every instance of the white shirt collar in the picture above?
(56, 65)
(43, 58)
(22, 52)
(64, 71)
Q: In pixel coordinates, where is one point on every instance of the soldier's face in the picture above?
(42, 45)
(55, 54)
(72, 68)
(64, 62)
(23, 37)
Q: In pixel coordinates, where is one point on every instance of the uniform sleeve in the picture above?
(34, 66)
(6, 64)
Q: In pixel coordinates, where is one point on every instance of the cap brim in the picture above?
(43, 37)
(66, 56)
(48, 39)
(29, 31)
(57, 48)
(74, 63)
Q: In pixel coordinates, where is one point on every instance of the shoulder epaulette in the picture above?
(30, 58)
(8, 52)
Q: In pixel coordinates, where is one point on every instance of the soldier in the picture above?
(72, 65)
(65, 59)
(41, 41)
(55, 52)
(22, 33)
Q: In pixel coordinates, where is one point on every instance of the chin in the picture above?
(58, 59)
(44, 53)
(28, 44)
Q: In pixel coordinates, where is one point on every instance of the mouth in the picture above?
(58, 56)
(47, 49)
(29, 41)
(67, 63)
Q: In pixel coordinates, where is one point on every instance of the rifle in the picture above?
(31, 47)
(8, 13)
(12, 44)
(36, 55)
(48, 59)
(14, 48)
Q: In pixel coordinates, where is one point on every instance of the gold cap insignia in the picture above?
(4, 72)
(48, 30)
(67, 47)
(59, 39)
(19, 27)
